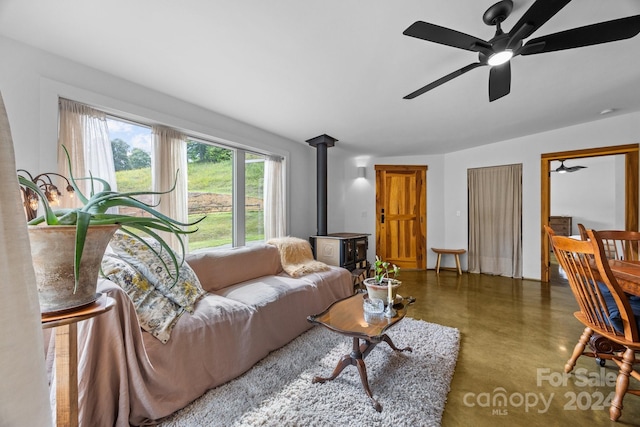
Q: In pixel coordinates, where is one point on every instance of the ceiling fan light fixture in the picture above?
(500, 58)
(503, 46)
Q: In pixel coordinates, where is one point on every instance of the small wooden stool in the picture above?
(456, 252)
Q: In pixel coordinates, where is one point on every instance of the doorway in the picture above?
(401, 211)
(495, 220)
(630, 199)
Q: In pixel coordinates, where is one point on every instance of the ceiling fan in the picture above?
(564, 169)
(498, 51)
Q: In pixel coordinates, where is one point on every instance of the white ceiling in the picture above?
(303, 68)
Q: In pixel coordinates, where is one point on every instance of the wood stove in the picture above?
(347, 250)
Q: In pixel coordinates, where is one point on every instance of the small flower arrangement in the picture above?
(383, 269)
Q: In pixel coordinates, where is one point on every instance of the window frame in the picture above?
(238, 215)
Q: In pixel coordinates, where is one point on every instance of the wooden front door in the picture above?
(401, 212)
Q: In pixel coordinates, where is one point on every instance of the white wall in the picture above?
(31, 81)
(617, 130)
(589, 195)
(447, 182)
(360, 214)
(620, 190)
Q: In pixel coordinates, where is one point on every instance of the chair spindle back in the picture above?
(589, 276)
(619, 244)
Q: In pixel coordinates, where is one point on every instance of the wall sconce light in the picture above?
(362, 172)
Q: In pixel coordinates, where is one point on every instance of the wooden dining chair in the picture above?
(620, 244)
(601, 349)
(604, 307)
(600, 346)
(583, 231)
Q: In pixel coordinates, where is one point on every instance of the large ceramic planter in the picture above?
(381, 291)
(53, 253)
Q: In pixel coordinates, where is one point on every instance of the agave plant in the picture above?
(94, 212)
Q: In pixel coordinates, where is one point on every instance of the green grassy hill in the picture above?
(210, 192)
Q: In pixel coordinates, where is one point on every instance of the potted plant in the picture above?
(67, 245)
(378, 285)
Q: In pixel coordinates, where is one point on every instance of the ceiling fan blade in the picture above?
(603, 32)
(574, 168)
(499, 81)
(539, 13)
(517, 36)
(444, 79)
(530, 49)
(442, 35)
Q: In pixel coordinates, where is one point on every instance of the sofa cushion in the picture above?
(185, 292)
(220, 268)
(157, 314)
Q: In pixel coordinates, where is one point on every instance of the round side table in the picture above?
(66, 355)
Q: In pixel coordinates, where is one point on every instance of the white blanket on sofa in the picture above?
(296, 256)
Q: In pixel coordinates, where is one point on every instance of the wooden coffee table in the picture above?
(347, 317)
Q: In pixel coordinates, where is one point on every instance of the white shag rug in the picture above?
(412, 387)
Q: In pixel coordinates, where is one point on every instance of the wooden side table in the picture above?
(66, 324)
(347, 317)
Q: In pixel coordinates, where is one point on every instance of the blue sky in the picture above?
(135, 136)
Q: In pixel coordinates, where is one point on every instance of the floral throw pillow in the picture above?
(157, 314)
(186, 292)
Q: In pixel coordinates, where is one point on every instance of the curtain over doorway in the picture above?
(495, 220)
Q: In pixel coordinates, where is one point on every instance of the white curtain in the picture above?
(495, 220)
(168, 159)
(84, 132)
(24, 393)
(275, 218)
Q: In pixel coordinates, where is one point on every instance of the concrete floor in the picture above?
(516, 336)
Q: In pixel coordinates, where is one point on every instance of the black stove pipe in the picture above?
(321, 143)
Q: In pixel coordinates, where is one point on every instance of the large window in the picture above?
(131, 146)
(212, 184)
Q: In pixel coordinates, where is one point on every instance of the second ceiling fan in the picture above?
(498, 51)
(564, 169)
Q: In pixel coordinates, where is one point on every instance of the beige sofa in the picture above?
(252, 307)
